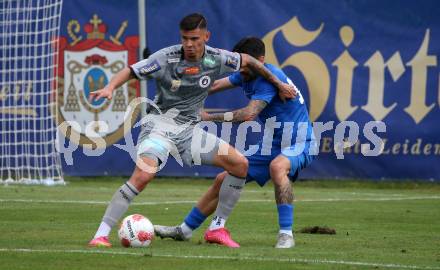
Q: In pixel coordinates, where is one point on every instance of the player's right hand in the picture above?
(287, 91)
(204, 115)
(105, 92)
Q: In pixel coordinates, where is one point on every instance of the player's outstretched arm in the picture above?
(119, 79)
(220, 85)
(285, 91)
(248, 113)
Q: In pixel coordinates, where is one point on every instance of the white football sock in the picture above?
(187, 231)
(288, 232)
(103, 230)
(228, 196)
(116, 208)
(217, 223)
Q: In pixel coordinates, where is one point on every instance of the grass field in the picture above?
(378, 225)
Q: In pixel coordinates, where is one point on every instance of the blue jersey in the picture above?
(293, 110)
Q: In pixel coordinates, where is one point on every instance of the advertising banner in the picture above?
(357, 64)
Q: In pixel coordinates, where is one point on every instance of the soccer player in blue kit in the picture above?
(280, 159)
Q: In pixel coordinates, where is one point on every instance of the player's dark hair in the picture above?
(193, 21)
(250, 45)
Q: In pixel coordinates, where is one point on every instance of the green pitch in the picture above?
(378, 226)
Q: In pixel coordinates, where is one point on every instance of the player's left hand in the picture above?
(287, 91)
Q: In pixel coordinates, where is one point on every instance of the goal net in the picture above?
(28, 60)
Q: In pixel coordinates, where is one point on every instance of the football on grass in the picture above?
(136, 231)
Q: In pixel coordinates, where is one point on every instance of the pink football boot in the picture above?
(222, 237)
(100, 242)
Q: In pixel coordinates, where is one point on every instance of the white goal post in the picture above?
(28, 61)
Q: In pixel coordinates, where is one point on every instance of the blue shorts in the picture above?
(259, 170)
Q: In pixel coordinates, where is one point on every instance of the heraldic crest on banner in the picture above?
(86, 65)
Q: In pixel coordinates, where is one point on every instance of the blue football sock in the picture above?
(195, 218)
(285, 216)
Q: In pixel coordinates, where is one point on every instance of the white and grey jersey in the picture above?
(181, 84)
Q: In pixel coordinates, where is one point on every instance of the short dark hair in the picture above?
(193, 21)
(250, 45)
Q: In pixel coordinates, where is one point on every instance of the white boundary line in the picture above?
(240, 258)
(244, 200)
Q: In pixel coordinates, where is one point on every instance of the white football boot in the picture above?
(174, 232)
(285, 241)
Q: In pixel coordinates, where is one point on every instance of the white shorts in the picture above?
(191, 145)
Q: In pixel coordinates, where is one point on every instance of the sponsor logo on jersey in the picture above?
(209, 61)
(232, 62)
(150, 68)
(179, 70)
(174, 53)
(204, 81)
(175, 84)
(191, 71)
(212, 52)
(173, 60)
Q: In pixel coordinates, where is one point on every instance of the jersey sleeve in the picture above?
(264, 90)
(230, 61)
(151, 68)
(235, 79)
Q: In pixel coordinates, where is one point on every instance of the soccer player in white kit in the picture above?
(183, 75)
